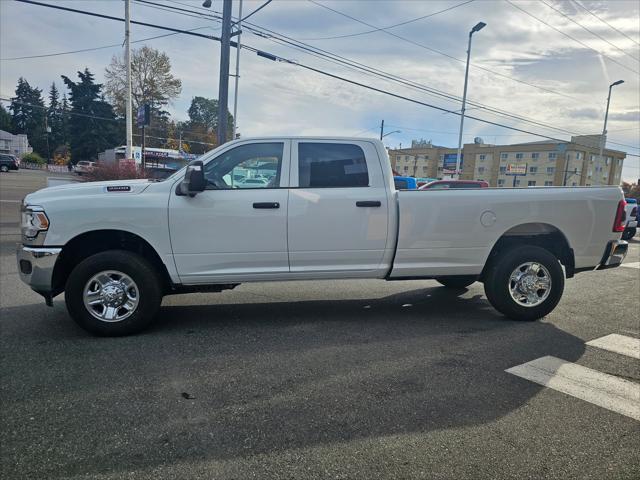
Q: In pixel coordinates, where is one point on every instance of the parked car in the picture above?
(440, 184)
(405, 183)
(116, 248)
(253, 183)
(631, 226)
(84, 166)
(8, 162)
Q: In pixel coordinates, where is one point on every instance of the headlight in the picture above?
(34, 221)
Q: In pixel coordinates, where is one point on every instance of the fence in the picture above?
(44, 166)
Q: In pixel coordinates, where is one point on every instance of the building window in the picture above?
(577, 155)
(587, 185)
(501, 182)
(482, 157)
(531, 183)
(504, 156)
(607, 160)
(592, 158)
(552, 155)
(480, 169)
(535, 156)
(503, 170)
(548, 183)
(551, 170)
(406, 169)
(574, 184)
(424, 169)
(519, 156)
(517, 183)
(533, 169)
(619, 162)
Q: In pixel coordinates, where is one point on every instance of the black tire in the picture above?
(629, 233)
(4, 168)
(145, 276)
(497, 282)
(458, 282)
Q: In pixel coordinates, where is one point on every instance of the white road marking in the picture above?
(621, 344)
(631, 265)
(606, 391)
(10, 201)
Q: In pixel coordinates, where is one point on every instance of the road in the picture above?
(341, 380)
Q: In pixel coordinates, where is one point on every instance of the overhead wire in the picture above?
(331, 75)
(605, 22)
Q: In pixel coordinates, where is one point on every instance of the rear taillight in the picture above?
(621, 217)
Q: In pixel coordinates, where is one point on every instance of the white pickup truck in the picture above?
(325, 208)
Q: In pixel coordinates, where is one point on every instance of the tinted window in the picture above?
(256, 165)
(331, 165)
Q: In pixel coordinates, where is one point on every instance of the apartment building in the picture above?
(548, 163)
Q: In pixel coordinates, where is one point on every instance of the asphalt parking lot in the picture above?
(341, 380)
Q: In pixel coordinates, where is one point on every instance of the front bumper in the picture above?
(614, 254)
(35, 265)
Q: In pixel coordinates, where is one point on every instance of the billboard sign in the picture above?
(516, 169)
(449, 162)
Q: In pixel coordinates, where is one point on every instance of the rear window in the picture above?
(327, 165)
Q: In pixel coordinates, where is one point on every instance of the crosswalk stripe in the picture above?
(621, 344)
(631, 265)
(606, 391)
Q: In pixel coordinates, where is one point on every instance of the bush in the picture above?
(113, 171)
(33, 158)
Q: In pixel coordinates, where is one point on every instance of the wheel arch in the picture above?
(95, 241)
(540, 234)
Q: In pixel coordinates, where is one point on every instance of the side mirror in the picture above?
(193, 181)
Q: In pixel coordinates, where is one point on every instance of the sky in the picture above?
(549, 61)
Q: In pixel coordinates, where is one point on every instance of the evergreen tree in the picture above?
(92, 125)
(64, 107)
(28, 115)
(5, 120)
(54, 118)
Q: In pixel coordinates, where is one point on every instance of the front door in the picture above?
(236, 229)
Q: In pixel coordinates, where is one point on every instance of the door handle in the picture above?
(369, 203)
(266, 205)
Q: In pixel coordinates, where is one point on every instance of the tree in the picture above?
(28, 115)
(65, 119)
(5, 120)
(92, 123)
(203, 123)
(151, 80)
(54, 118)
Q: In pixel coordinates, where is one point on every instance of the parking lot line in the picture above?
(606, 391)
(631, 265)
(621, 344)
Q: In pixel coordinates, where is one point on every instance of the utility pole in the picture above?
(127, 56)
(235, 93)
(479, 26)
(381, 129)
(223, 89)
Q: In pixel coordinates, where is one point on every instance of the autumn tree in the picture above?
(202, 126)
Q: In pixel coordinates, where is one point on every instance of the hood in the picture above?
(88, 189)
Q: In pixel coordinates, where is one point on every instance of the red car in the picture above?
(442, 184)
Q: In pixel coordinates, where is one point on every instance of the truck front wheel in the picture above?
(524, 283)
(113, 293)
(629, 233)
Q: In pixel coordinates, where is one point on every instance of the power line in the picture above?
(97, 48)
(433, 50)
(255, 11)
(328, 74)
(604, 21)
(353, 65)
(588, 30)
(391, 26)
(570, 37)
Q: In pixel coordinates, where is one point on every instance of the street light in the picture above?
(604, 132)
(479, 26)
(395, 131)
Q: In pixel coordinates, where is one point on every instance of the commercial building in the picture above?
(546, 163)
(17, 145)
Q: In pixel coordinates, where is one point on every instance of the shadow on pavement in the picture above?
(258, 378)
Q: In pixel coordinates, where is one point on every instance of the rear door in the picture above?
(338, 209)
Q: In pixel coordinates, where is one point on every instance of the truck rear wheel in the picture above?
(524, 283)
(113, 293)
(459, 282)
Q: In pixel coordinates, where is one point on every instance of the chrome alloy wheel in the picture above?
(111, 296)
(530, 284)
